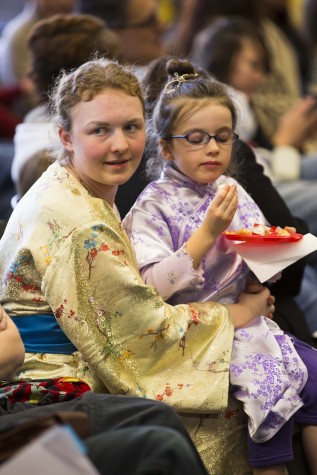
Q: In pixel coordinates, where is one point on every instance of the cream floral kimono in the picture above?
(65, 252)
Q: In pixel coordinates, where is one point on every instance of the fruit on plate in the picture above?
(261, 230)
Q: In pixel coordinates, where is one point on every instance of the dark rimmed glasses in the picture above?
(199, 137)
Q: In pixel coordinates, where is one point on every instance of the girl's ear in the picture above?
(166, 151)
(66, 139)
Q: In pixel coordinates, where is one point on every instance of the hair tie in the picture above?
(177, 80)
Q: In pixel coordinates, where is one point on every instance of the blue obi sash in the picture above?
(42, 334)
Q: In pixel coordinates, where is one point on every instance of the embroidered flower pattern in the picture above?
(104, 324)
(16, 273)
(92, 251)
(62, 311)
(168, 391)
(157, 335)
(271, 379)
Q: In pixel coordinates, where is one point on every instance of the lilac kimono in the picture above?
(266, 372)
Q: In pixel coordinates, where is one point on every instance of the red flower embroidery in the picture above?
(194, 314)
(61, 312)
(93, 253)
(168, 391)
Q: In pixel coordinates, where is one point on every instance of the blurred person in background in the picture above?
(14, 53)
(138, 25)
(68, 41)
(286, 81)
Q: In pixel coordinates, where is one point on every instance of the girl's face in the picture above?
(142, 36)
(106, 141)
(202, 163)
(247, 70)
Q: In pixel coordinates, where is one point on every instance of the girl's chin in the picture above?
(124, 179)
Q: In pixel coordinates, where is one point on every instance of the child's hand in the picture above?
(3, 320)
(298, 124)
(250, 306)
(254, 287)
(221, 211)
(218, 217)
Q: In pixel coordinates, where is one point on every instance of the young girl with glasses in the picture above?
(176, 227)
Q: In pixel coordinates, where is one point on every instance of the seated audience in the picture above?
(30, 172)
(282, 87)
(69, 41)
(137, 24)
(14, 54)
(14, 65)
(8, 118)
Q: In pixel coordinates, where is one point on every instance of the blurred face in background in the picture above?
(141, 35)
(248, 68)
(47, 8)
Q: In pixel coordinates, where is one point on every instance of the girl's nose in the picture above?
(119, 142)
(212, 146)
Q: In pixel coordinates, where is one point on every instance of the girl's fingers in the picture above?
(230, 198)
(220, 196)
(225, 193)
(229, 205)
(223, 207)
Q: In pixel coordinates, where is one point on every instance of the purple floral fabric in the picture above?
(266, 372)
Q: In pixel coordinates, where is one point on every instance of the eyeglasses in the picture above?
(199, 137)
(151, 20)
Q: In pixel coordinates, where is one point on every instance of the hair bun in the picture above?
(180, 67)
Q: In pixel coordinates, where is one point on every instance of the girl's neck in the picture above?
(93, 190)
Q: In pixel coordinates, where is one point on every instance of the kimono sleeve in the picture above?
(162, 259)
(131, 339)
(149, 232)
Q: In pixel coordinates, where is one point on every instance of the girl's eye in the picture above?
(223, 137)
(99, 131)
(196, 137)
(131, 128)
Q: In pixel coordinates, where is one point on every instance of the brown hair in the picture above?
(83, 84)
(32, 170)
(66, 42)
(176, 101)
(217, 46)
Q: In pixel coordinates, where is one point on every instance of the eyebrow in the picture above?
(223, 128)
(98, 123)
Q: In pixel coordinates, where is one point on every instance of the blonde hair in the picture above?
(83, 84)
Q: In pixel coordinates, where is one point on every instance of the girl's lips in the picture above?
(117, 163)
(210, 164)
